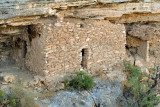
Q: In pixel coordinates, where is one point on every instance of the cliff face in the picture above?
(25, 12)
(32, 34)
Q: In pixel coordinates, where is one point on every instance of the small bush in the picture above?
(7, 101)
(81, 81)
(13, 102)
(66, 82)
(139, 92)
(2, 95)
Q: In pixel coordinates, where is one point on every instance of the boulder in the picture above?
(37, 81)
(104, 94)
(56, 86)
(7, 78)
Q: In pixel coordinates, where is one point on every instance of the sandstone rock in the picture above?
(60, 86)
(32, 83)
(116, 75)
(152, 62)
(48, 81)
(37, 81)
(140, 62)
(144, 32)
(56, 86)
(7, 78)
(4, 83)
(38, 89)
(21, 13)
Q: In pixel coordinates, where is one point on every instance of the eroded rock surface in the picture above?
(7, 78)
(26, 12)
(144, 32)
(104, 94)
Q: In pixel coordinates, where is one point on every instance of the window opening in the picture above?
(84, 57)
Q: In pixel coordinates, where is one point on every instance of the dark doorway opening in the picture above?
(84, 58)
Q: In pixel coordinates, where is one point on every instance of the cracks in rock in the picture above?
(95, 105)
(94, 100)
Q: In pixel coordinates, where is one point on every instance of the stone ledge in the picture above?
(12, 9)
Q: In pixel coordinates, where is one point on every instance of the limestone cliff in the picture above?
(25, 12)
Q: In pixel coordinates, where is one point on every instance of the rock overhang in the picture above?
(13, 12)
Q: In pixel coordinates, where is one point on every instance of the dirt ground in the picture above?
(22, 77)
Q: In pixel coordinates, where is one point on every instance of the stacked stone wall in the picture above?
(104, 41)
(35, 57)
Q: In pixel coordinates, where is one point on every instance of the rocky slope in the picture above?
(104, 94)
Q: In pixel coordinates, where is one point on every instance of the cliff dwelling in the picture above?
(54, 48)
(45, 45)
(64, 38)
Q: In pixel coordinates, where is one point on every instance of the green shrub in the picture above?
(13, 102)
(7, 101)
(66, 82)
(81, 81)
(2, 95)
(141, 93)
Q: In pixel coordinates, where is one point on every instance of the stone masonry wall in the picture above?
(35, 49)
(103, 41)
(56, 47)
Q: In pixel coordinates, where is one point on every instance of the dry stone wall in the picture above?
(102, 41)
(34, 60)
